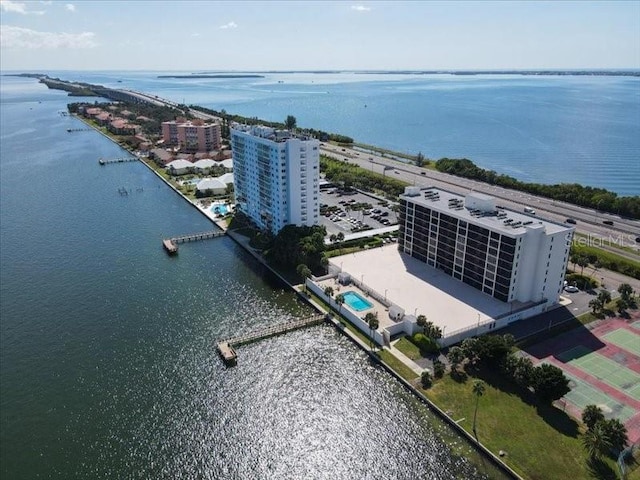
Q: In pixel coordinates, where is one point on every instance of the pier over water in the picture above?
(226, 347)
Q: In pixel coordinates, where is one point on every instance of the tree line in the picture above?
(590, 197)
(354, 176)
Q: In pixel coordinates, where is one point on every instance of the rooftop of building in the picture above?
(269, 133)
(420, 289)
(481, 209)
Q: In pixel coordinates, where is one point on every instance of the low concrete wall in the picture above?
(358, 322)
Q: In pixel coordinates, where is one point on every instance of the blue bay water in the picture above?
(546, 129)
(107, 345)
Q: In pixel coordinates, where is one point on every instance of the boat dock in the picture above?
(70, 130)
(103, 161)
(226, 347)
(171, 244)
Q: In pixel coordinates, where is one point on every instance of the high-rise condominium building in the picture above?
(512, 256)
(276, 175)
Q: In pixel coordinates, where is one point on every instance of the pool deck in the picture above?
(419, 289)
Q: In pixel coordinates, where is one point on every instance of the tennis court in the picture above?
(583, 394)
(624, 339)
(605, 370)
(636, 324)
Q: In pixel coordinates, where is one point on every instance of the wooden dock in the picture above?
(171, 244)
(226, 347)
(103, 161)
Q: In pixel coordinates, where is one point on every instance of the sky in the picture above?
(341, 35)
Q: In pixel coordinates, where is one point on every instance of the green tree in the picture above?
(425, 379)
(373, 322)
(290, 122)
(626, 292)
(596, 441)
(583, 261)
(616, 432)
(478, 391)
(328, 291)
(549, 382)
(592, 415)
(456, 357)
(339, 301)
(432, 331)
(421, 321)
(596, 306)
(419, 159)
(438, 368)
(305, 273)
(621, 306)
(604, 296)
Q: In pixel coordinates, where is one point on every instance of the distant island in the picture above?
(212, 76)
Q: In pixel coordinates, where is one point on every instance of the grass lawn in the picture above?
(542, 442)
(408, 348)
(400, 368)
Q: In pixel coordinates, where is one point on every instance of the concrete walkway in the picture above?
(417, 369)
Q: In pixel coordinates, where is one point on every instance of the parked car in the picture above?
(384, 214)
(571, 289)
(570, 220)
(422, 173)
(607, 222)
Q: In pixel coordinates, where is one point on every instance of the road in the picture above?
(589, 222)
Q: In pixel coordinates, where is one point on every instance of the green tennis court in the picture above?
(636, 324)
(583, 394)
(604, 369)
(624, 339)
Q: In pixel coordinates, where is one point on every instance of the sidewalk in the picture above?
(417, 369)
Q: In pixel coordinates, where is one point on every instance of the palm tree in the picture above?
(339, 301)
(616, 433)
(596, 305)
(372, 320)
(478, 391)
(596, 441)
(591, 415)
(328, 291)
(456, 357)
(421, 320)
(305, 273)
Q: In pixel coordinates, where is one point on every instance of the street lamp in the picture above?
(415, 312)
(385, 294)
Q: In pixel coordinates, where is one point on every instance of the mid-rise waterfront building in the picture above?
(195, 136)
(511, 256)
(276, 176)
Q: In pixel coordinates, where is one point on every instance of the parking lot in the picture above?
(354, 212)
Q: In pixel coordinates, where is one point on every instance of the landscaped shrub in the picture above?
(582, 281)
(424, 343)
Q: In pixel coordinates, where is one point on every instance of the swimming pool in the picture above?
(356, 302)
(219, 208)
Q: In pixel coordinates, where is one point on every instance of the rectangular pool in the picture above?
(356, 302)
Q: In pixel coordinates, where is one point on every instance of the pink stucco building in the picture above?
(193, 136)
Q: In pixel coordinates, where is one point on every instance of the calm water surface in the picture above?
(545, 129)
(107, 345)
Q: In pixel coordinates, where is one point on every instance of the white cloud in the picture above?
(195, 34)
(46, 2)
(70, 6)
(360, 8)
(18, 37)
(16, 7)
(229, 25)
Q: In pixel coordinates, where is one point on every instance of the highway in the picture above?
(589, 221)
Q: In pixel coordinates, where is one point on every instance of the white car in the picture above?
(571, 289)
